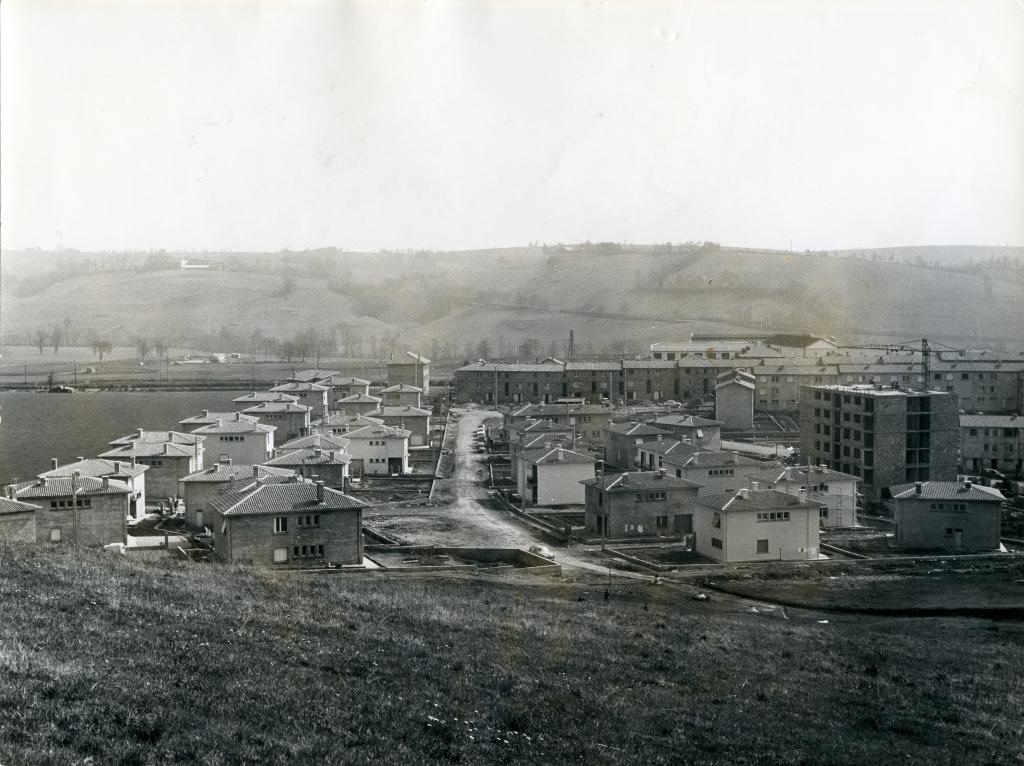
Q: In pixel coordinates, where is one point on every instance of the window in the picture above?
(773, 516)
(280, 525)
(716, 543)
(762, 546)
(280, 555)
(55, 535)
(661, 522)
(716, 521)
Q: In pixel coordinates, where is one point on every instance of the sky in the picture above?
(804, 124)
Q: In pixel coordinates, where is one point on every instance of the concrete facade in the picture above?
(411, 369)
(639, 504)
(757, 525)
(291, 419)
(623, 442)
(413, 419)
(993, 442)
(401, 394)
(17, 521)
(716, 472)
(328, 466)
(357, 404)
(78, 510)
(950, 516)
(311, 395)
(237, 440)
(553, 476)
(734, 400)
(132, 474)
(883, 436)
(199, 489)
(378, 451)
(835, 491)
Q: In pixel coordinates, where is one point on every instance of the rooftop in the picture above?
(246, 426)
(135, 449)
(256, 409)
(157, 437)
(945, 490)
(224, 472)
(402, 388)
(63, 486)
(97, 467)
(315, 440)
(265, 396)
(347, 380)
(400, 411)
(310, 456)
(548, 455)
(636, 429)
(640, 480)
(298, 386)
(311, 376)
(212, 417)
(16, 506)
(686, 421)
(379, 432)
(740, 500)
(264, 499)
(800, 474)
(359, 399)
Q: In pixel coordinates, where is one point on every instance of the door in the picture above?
(683, 523)
(958, 538)
(394, 465)
(355, 467)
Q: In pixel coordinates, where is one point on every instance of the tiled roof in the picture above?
(276, 407)
(413, 358)
(359, 399)
(399, 411)
(307, 376)
(315, 440)
(554, 455)
(212, 417)
(224, 472)
(271, 499)
(493, 367)
(294, 386)
(341, 419)
(686, 421)
(378, 432)
(61, 486)
(594, 366)
(15, 506)
(128, 451)
(740, 500)
(265, 396)
(636, 429)
(669, 447)
(945, 490)
(800, 475)
(310, 456)
(346, 380)
(158, 437)
(693, 456)
(649, 364)
(98, 467)
(235, 427)
(991, 421)
(538, 441)
(539, 427)
(638, 481)
(402, 388)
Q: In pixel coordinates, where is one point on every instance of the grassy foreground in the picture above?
(106, 659)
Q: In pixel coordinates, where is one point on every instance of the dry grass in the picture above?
(104, 659)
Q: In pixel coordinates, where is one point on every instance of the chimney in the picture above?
(256, 470)
(917, 488)
(788, 474)
(238, 416)
(206, 413)
(317, 452)
(659, 436)
(80, 458)
(138, 433)
(225, 460)
(661, 473)
(599, 469)
(346, 483)
(560, 455)
(755, 485)
(117, 466)
(742, 494)
(55, 462)
(106, 482)
(165, 447)
(802, 495)
(319, 491)
(967, 485)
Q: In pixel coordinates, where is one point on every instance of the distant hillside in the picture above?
(613, 296)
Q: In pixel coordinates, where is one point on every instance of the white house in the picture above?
(836, 491)
(552, 476)
(756, 525)
(378, 450)
(402, 394)
(239, 440)
(414, 419)
(197, 489)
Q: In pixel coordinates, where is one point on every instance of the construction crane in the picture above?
(919, 345)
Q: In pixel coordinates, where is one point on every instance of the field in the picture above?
(105, 659)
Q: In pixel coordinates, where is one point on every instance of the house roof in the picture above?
(298, 386)
(347, 380)
(212, 417)
(483, 366)
(235, 427)
(309, 376)
(945, 490)
(265, 396)
(991, 421)
(413, 358)
(685, 421)
(164, 449)
(61, 486)
(315, 440)
(359, 399)
(800, 475)
(558, 409)
(379, 432)
(225, 472)
(636, 429)
(536, 441)
(310, 456)
(554, 455)
(669, 447)
(740, 500)
(635, 481)
(690, 456)
(402, 388)
(157, 437)
(98, 467)
(16, 506)
(735, 378)
(399, 411)
(270, 499)
(539, 427)
(341, 419)
(276, 407)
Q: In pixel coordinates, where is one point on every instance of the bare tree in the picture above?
(56, 336)
(41, 338)
(483, 349)
(529, 348)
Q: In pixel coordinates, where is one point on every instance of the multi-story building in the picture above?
(401, 394)
(169, 455)
(734, 400)
(623, 442)
(716, 471)
(199, 488)
(208, 417)
(882, 435)
(993, 442)
(378, 450)
(291, 419)
(551, 475)
(757, 525)
(412, 369)
(639, 504)
(238, 439)
(414, 419)
(131, 473)
(329, 466)
(312, 395)
(287, 524)
(357, 404)
(835, 491)
(346, 385)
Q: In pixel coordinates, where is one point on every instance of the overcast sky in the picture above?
(258, 126)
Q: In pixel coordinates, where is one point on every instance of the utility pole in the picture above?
(926, 352)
